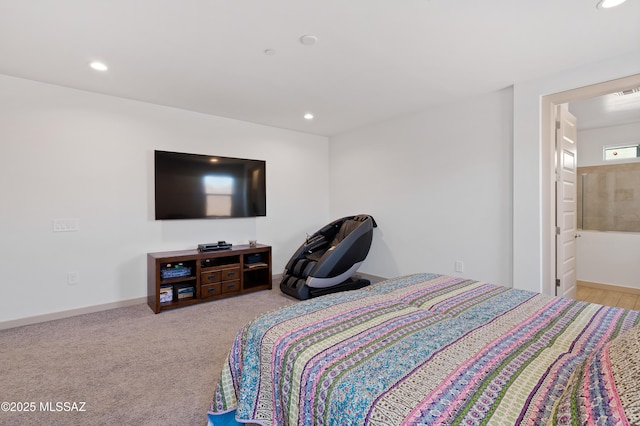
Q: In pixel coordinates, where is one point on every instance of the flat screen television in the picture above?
(194, 186)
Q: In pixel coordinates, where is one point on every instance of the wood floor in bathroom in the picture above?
(609, 297)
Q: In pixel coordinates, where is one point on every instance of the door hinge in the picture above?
(558, 230)
(557, 282)
(558, 125)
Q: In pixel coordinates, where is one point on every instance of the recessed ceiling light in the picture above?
(308, 40)
(98, 66)
(308, 116)
(606, 4)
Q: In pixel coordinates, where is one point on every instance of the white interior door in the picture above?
(566, 203)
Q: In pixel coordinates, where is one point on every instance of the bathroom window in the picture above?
(621, 152)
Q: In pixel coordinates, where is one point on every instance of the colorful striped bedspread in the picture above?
(427, 349)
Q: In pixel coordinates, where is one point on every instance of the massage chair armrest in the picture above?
(313, 243)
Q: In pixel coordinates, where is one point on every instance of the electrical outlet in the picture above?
(73, 278)
(459, 266)
(66, 225)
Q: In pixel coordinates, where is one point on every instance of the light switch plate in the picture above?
(73, 278)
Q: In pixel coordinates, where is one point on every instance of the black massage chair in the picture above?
(326, 261)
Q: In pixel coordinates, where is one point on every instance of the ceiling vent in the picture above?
(628, 92)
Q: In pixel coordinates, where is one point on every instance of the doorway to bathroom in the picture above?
(608, 258)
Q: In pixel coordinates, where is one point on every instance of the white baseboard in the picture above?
(276, 278)
(611, 287)
(70, 313)
(87, 310)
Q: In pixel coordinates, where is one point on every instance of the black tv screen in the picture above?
(193, 186)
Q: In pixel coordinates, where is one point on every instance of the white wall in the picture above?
(438, 183)
(73, 154)
(607, 257)
(533, 250)
(592, 141)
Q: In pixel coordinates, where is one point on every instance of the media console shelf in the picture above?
(186, 277)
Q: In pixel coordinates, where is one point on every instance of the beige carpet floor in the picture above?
(128, 366)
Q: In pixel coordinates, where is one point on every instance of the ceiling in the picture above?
(614, 109)
(373, 59)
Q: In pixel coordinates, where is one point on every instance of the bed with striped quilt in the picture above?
(430, 349)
